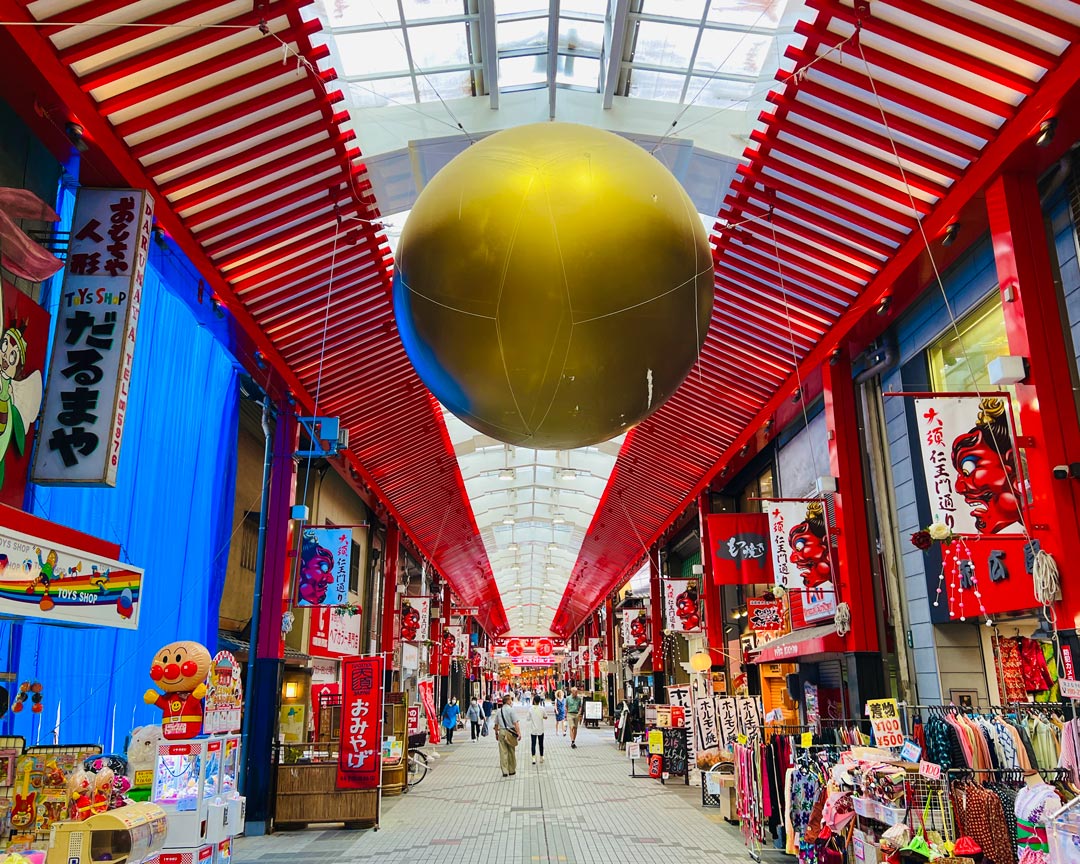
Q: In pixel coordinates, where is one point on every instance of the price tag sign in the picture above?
(910, 752)
(885, 721)
(741, 739)
(633, 750)
(806, 739)
(929, 770)
(1069, 689)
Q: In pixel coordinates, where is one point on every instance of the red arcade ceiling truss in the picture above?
(898, 111)
(237, 135)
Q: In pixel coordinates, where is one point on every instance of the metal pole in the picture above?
(256, 603)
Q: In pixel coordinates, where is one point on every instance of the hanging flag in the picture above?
(360, 756)
(740, 548)
(682, 607)
(802, 557)
(415, 619)
(970, 463)
(325, 564)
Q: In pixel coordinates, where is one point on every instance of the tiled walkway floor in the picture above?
(579, 807)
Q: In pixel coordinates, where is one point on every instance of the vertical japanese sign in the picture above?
(727, 713)
(681, 605)
(740, 548)
(426, 687)
(802, 559)
(635, 628)
(416, 619)
(970, 463)
(87, 394)
(680, 697)
(325, 563)
(704, 728)
(359, 761)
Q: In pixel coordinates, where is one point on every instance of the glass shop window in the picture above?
(762, 486)
(805, 458)
(958, 359)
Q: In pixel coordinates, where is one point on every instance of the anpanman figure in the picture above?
(180, 669)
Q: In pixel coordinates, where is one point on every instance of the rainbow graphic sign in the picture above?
(39, 579)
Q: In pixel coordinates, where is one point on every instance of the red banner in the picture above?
(765, 615)
(360, 759)
(740, 548)
(427, 696)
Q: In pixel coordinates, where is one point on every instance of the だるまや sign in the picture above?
(87, 393)
(360, 758)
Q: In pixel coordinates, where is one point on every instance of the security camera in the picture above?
(1061, 472)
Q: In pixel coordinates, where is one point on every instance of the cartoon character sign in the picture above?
(180, 669)
(639, 630)
(681, 605)
(316, 570)
(970, 463)
(24, 330)
(410, 621)
(809, 542)
(800, 547)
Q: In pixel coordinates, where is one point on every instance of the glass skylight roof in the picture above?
(720, 53)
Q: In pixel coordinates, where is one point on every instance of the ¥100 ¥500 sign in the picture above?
(88, 390)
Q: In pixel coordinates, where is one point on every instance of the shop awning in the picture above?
(800, 645)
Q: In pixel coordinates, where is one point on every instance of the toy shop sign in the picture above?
(361, 723)
(87, 395)
(41, 579)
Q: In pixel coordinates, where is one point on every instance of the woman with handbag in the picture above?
(507, 736)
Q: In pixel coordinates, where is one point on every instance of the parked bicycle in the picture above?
(418, 763)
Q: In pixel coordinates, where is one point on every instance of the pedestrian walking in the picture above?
(575, 706)
(560, 712)
(536, 727)
(475, 713)
(508, 736)
(450, 713)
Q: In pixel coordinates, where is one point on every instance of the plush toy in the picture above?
(142, 751)
(80, 788)
(103, 788)
(180, 669)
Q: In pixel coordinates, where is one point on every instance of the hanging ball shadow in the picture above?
(554, 285)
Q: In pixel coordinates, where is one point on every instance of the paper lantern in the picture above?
(554, 285)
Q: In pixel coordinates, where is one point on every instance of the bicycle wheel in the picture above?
(418, 766)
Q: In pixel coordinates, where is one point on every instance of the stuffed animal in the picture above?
(180, 669)
(142, 751)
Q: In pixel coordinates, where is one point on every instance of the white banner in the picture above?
(635, 633)
(680, 696)
(802, 559)
(594, 649)
(41, 579)
(461, 640)
(86, 397)
(728, 713)
(706, 729)
(682, 606)
(970, 463)
(415, 619)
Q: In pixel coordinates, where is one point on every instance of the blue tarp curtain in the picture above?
(171, 513)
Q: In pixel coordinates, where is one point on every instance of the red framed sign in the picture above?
(360, 758)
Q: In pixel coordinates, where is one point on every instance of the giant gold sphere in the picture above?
(554, 285)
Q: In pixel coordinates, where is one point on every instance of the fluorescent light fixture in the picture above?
(506, 474)
(513, 547)
(553, 547)
(509, 520)
(557, 519)
(568, 474)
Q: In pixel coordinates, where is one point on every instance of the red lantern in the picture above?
(544, 648)
(513, 648)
